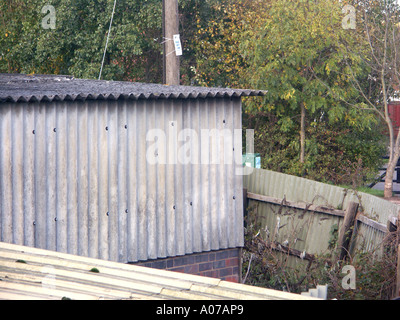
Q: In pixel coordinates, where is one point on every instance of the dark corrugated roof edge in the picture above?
(42, 88)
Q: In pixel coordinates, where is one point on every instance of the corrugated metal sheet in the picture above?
(75, 176)
(35, 274)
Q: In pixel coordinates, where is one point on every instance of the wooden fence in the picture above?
(304, 228)
(329, 222)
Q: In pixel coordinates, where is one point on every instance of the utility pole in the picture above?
(171, 63)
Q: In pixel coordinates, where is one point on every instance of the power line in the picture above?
(108, 36)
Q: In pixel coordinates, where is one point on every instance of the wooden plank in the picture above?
(320, 209)
(294, 252)
(346, 231)
(296, 205)
(372, 223)
(171, 62)
(284, 249)
(398, 272)
(397, 225)
(245, 202)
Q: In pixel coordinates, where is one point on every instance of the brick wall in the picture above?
(222, 264)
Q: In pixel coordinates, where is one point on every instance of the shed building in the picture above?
(121, 171)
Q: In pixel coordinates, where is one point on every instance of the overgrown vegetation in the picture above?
(267, 263)
(313, 121)
(336, 154)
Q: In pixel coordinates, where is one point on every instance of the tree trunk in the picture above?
(388, 191)
(394, 154)
(302, 133)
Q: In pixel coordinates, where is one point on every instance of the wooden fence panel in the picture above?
(310, 227)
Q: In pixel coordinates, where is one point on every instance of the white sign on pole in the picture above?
(178, 45)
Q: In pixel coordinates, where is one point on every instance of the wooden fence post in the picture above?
(245, 206)
(397, 229)
(346, 231)
(398, 273)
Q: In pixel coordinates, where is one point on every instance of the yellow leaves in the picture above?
(328, 70)
(220, 39)
(349, 119)
(270, 107)
(289, 94)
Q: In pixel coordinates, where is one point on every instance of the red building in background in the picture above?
(394, 111)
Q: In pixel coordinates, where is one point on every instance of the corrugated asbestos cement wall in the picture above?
(74, 178)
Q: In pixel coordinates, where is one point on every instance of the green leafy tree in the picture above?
(219, 61)
(378, 28)
(76, 45)
(296, 56)
(192, 15)
(336, 152)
